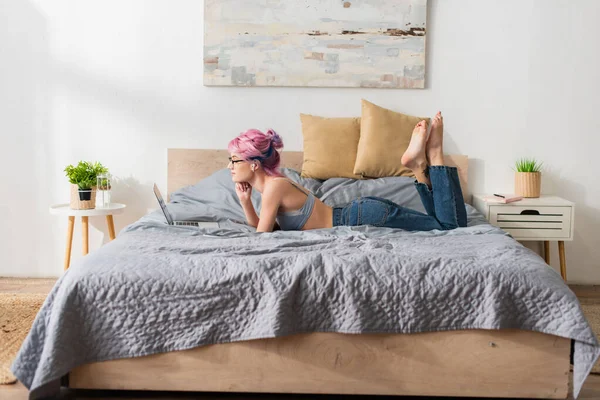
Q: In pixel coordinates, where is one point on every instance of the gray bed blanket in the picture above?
(158, 288)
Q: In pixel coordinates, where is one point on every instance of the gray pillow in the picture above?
(215, 195)
(401, 190)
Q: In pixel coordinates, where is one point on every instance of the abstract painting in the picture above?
(315, 43)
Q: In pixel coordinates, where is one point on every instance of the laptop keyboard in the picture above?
(186, 223)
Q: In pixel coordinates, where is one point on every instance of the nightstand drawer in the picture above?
(533, 222)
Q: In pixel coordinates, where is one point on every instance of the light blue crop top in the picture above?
(295, 220)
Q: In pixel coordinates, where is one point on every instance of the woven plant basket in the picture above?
(77, 204)
(528, 184)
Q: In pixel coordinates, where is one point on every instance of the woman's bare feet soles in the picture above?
(435, 143)
(414, 157)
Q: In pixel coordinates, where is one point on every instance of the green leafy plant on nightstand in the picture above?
(84, 175)
(528, 177)
(528, 165)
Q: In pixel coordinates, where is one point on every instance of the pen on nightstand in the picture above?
(499, 195)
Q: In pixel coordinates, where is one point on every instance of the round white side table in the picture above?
(65, 209)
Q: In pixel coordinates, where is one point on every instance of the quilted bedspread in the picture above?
(158, 288)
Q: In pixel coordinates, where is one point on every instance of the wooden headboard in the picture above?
(188, 166)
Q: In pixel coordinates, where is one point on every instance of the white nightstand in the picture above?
(65, 209)
(543, 219)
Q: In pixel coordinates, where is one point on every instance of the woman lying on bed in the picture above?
(254, 163)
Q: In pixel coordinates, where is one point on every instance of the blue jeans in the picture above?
(443, 203)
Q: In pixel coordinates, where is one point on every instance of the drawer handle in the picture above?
(530, 212)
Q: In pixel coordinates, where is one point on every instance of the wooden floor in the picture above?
(590, 391)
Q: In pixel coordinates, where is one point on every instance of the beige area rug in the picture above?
(591, 309)
(17, 312)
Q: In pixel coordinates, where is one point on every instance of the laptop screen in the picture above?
(162, 204)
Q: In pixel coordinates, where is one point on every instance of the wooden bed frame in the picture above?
(474, 363)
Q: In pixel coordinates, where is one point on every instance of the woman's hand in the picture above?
(243, 191)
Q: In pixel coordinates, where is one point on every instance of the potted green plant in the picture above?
(83, 178)
(528, 177)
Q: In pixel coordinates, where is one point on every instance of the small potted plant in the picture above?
(528, 177)
(83, 178)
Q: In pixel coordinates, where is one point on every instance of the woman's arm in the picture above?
(251, 215)
(244, 193)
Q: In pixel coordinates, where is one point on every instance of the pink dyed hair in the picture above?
(263, 147)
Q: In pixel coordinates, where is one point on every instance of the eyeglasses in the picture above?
(233, 162)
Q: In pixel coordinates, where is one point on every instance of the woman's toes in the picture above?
(438, 119)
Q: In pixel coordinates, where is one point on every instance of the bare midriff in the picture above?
(321, 217)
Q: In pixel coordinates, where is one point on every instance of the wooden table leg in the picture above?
(84, 232)
(69, 242)
(563, 261)
(111, 226)
(547, 251)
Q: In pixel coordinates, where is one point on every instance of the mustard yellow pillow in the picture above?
(384, 137)
(329, 146)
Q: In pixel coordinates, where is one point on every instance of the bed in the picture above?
(352, 310)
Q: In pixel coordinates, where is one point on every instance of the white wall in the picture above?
(121, 81)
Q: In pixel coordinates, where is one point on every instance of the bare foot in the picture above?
(435, 143)
(414, 157)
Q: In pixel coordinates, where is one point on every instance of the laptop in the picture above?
(169, 218)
